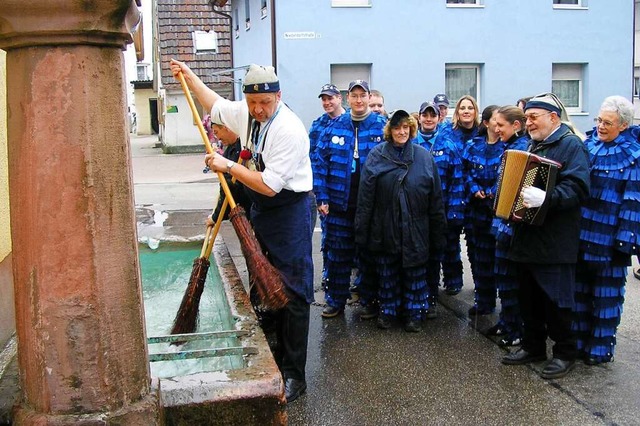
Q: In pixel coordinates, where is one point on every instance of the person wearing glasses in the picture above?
(545, 255)
(337, 164)
(610, 229)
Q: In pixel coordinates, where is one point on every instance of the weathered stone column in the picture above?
(79, 314)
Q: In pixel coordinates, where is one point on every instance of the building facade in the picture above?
(495, 50)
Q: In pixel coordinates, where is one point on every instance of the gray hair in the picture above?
(620, 105)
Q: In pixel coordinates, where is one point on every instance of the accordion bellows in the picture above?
(518, 170)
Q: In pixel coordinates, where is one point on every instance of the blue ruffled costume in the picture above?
(481, 161)
(449, 165)
(608, 238)
(334, 166)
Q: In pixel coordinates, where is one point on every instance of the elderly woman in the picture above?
(400, 219)
(609, 229)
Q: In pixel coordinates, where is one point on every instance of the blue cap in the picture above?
(359, 83)
(329, 89)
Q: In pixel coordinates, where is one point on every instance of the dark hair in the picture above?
(523, 100)
(486, 116)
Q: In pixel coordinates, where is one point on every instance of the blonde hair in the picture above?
(456, 116)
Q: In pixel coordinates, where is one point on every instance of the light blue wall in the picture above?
(409, 41)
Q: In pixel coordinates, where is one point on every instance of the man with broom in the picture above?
(278, 182)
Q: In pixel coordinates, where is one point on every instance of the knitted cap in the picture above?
(260, 79)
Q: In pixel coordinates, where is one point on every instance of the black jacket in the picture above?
(232, 152)
(400, 208)
(557, 239)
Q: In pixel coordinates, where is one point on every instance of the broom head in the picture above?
(265, 277)
(187, 317)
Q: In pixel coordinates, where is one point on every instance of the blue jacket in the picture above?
(556, 240)
(449, 165)
(400, 208)
(333, 159)
(317, 127)
(611, 215)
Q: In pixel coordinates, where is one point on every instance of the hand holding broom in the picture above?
(267, 279)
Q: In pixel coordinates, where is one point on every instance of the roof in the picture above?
(176, 22)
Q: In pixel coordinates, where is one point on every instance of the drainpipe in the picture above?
(274, 51)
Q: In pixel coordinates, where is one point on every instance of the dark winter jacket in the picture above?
(400, 208)
(557, 239)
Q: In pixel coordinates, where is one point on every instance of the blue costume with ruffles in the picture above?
(449, 165)
(505, 274)
(609, 236)
(336, 173)
(459, 137)
(481, 161)
(319, 125)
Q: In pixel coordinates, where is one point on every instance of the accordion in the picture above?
(518, 170)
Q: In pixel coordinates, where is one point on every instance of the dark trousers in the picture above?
(541, 315)
(292, 332)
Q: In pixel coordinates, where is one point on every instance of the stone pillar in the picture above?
(79, 313)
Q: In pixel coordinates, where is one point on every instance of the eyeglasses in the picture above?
(534, 117)
(606, 124)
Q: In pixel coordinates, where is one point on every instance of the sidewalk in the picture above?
(448, 374)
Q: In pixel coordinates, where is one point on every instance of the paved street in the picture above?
(448, 374)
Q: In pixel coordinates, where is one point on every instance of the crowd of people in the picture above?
(395, 191)
(399, 195)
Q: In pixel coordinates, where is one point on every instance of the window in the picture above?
(142, 71)
(205, 42)
(350, 3)
(343, 74)
(236, 25)
(460, 80)
(569, 4)
(463, 2)
(566, 82)
(247, 15)
(636, 82)
(263, 9)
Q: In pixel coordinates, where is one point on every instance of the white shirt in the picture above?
(285, 151)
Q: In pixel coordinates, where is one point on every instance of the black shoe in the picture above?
(412, 326)
(384, 322)
(595, 360)
(521, 357)
(293, 388)
(511, 340)
(636, 273)
(369, 312)
(452, 291)
(474, 310)
(557, 368)
(496, 330)
(331, 312)
(432, 312)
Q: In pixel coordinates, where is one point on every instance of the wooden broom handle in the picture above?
(205, 137)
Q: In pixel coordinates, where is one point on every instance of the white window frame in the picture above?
(351, 3)
(580, 4)
(236, 24)
(263, 9)
(570, 72)
(453, 99)
(247, 15)
(475, 4)
(343, 74)
(636, 82)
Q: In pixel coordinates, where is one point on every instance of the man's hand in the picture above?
(216, 162)
(323, 209)
(532, 196)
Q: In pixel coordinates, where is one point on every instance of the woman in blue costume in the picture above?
(463, 127)
(609, 230)
(400, 219)
(481, 161)
(449, 164)
(510, 128)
